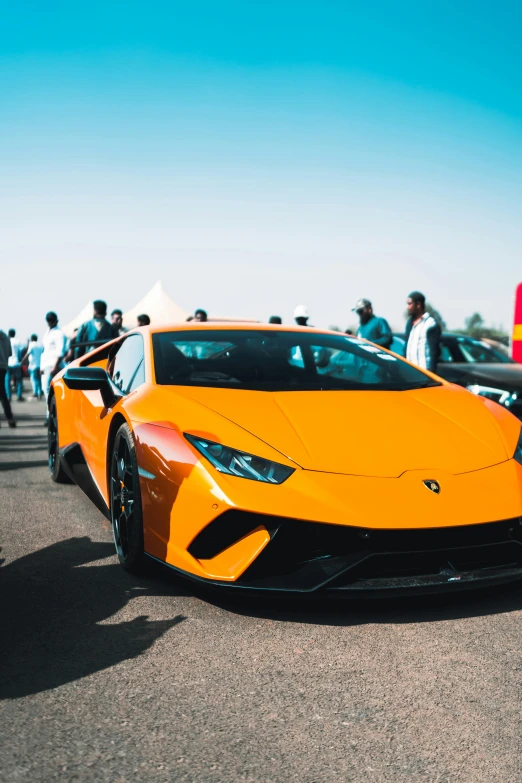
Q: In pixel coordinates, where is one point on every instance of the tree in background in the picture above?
(475, 326)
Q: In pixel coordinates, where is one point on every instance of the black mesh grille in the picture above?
(306, 556)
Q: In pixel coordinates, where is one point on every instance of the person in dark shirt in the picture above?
(5, 354)
(94, 332)
(143, 320)
(117, 323)
(372, 328)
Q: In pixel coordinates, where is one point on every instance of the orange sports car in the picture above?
(289, 459)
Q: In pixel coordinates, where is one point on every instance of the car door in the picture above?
(451, 365)
(126, 368)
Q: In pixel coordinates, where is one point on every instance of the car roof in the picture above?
(235, 326)
(103, 350)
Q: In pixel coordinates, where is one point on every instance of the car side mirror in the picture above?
(90, 379)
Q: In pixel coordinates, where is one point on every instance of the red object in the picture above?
(516, 338)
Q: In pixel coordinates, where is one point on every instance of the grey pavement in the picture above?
(108, 677)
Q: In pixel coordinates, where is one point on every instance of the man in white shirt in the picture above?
(14, 367)
(54, 348)
(34, 354)
(423, 334)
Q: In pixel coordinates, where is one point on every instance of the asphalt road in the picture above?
(107, 677)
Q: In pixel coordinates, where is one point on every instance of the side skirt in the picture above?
(76, 467)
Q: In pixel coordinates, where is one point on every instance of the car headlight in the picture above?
(518, 451)
(501, 396)
(238, 463)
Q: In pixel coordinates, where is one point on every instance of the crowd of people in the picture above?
(422, 333)
(44, 359)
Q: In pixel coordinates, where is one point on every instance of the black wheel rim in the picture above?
(122, 498)
(52, 437)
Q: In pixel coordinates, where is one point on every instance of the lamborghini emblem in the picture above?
(434, 486)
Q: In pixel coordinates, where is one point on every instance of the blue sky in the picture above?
(255, 156)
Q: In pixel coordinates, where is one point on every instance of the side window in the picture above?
(295, 357)
(321, 356)
(128, 366)
(445, 354)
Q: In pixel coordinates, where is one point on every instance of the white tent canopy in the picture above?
(81, 318)
(158, 305)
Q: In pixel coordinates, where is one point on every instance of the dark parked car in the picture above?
(478, 366)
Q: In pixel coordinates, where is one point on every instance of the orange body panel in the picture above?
(359, 459)
(237, 557)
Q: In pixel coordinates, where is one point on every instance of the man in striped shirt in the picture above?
(423, 334)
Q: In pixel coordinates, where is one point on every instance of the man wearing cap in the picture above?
(301, 315)
(372, 328)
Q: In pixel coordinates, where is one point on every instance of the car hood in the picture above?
(501, 376)
(367, 433)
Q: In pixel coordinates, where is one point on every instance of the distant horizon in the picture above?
(259, 156)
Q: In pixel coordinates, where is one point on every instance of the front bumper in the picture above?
(306, 557)
(322, 531)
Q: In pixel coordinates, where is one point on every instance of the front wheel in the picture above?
(126, 511)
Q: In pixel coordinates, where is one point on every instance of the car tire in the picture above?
(125, 502)
(58, 475)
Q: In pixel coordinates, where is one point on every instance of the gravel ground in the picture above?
(106, 677)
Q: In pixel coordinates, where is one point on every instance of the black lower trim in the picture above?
(400, 587)
(309, 557)
(75, 465)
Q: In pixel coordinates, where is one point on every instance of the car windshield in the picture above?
(477, 351)
(274, 360)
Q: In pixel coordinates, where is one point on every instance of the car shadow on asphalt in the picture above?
(23, 441)
(28, 447)
(330, 610)
(55, 601)
(397, 610)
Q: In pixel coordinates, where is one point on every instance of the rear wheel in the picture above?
(126, 511)
(55, 463)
